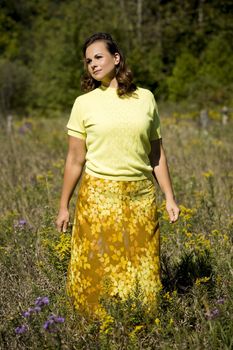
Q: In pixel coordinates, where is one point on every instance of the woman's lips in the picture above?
(97, 71)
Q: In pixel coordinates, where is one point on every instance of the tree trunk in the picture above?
(139, 21)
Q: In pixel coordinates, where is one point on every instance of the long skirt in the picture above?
(115, 244)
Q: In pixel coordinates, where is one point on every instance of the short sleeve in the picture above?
(155, 132)
(75, 124)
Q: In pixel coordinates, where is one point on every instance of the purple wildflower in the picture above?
(215, 312)
(26, 314)
(25, 127)
(28, 125)
(37, 308)
(21, 130)
(220, 301)
(22, 222)
(42, 301)
(30, 311)
(50, 324)
(212, 314)
(57, 319)
(21, 329)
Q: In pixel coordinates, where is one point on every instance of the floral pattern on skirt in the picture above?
(115, 243)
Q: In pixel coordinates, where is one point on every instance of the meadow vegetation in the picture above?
(195, 305)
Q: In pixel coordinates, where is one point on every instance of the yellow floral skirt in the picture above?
(115, 244)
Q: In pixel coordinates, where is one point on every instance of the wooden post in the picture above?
(139, 20)
(200, 12)
(204, 118)
(225, 115)
(9, 124)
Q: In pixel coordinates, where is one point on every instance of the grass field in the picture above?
(195, 306)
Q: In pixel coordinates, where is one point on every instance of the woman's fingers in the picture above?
(59, 225)
(65, 225)
(62, 225)
(173, 212)
(62, 221)
(171, 215)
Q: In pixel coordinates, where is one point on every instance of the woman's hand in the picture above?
(172, 209)
(160, 167)
(62, 220)
(75, 161)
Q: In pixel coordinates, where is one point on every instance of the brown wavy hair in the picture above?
(123, 75)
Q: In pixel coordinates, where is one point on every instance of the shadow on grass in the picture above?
(182, 276)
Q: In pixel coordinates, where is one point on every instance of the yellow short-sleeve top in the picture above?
(117, 132)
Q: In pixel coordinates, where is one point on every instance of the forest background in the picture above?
(181, 50)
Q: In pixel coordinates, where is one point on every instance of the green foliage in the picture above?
(182, 82)
(9, 36)
(216, 70)
(218, 60)
(14, 87)
(208, 77)
(180, 50)
(55, 65)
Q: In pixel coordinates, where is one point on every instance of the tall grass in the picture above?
(195, 306)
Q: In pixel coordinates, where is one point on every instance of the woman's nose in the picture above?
(93, 65)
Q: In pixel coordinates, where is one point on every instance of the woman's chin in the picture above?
(97, 78)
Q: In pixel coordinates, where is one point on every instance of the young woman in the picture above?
(115, 142)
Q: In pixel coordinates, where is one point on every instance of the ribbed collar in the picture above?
(107, 89)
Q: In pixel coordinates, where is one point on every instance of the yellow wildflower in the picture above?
(39, 178)
(186, 213)
(106, 324)
(62, 248)
(171, 322)
(208, 174)
(40, 263)
(217, 142)
(135, 330)
(201, 280)
(188, 234)
(168, 297)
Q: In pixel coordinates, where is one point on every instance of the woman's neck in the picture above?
(111, 84)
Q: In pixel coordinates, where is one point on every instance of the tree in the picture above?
(184, 76)
(14, 87)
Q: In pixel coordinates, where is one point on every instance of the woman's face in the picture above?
(100, 62)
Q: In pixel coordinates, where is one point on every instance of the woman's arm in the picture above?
(160, 168)
(73, 169)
